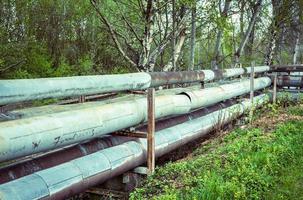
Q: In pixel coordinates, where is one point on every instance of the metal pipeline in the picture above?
(59, 156)
(286, 68)
(42, 133)
(79, 174)
(55, 108)
(289, 81)
(17, 90)
(224, 92)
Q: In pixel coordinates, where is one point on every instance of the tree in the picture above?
(148, 43)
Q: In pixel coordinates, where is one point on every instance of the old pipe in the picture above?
(33, 164)
(59, 156)
(50, 109)
(290, 81)
(286, 68)
(17, 90)
(37, 134)
(79, 174)
(224, 92)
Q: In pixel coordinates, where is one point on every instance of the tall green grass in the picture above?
(245, 164)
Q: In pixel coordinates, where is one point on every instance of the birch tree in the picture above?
(251, 25)
(148, 43)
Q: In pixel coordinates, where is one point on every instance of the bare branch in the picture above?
(130, 27)
(112, 34)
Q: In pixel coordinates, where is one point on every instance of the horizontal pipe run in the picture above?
(51, 109)
(56, 157)
(258, 69)
(290, 81)
(42, 133)
(40, 162)
(79, 174)
(224, 92)
(18, 90)
(286, 68)
(12, 91)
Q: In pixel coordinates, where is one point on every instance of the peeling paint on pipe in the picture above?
(17, 90)
(75, 176)
(42, 133)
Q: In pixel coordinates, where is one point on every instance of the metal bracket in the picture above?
(150, 135)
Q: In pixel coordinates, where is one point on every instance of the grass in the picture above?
(260, 161)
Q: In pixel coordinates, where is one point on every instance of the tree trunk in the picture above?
(249, 47)
(220, 33)
(148, 36)
(274, 32)
(174, 36)
(296, 49)
(251, 25)
(178, 48)
(272, 44)
(192, 38)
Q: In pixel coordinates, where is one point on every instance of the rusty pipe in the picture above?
(286, 68)
(289, 81)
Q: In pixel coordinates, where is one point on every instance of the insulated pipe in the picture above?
(17, 90)
(56, 157)
(12, 91)
(59, 156)
(79, 174)
(42, 133)
(50, 109)
(32, 135)
(258, 69)
(289, 81)
(224, 92)
(233, 72)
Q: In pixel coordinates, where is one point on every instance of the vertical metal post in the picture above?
(274, 96)
(82, 99)
(252, 75)
(151, 130)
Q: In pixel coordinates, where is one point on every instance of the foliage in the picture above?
(63, 38)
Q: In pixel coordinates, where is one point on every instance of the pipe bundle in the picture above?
(41, 133)
(114, 155)
(76, 175)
